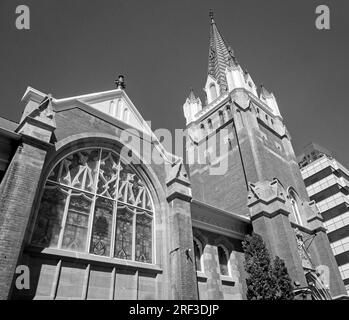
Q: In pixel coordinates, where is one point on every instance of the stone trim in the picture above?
(178, 195)
(270, 215)
(90, 258)
(216, 229)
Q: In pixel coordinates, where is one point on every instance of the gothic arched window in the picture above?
(229, 113)
(295, 208)
(209, 122)
(221, 117)
(203, 130)
(94, 202)
(230, 144)
(198, 254)
(223, 261)
(213, 91)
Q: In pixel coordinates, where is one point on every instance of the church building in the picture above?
(90, 217)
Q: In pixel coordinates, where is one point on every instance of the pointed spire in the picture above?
(191, 96)
(264, 92)
(220, 55)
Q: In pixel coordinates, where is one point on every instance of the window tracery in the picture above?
(88, 192)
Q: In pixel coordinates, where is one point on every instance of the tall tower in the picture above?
(241, 160)
(252, 136)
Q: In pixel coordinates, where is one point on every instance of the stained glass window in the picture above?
(124, 231)
(143, 232)
(50, 216)
(76, 225)
(87, 193)
(102, 227)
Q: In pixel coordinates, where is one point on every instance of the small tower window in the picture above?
(221, 117)
(209, 122)
(203, 130)
(230, 144)
(229, 112)
(213, 91)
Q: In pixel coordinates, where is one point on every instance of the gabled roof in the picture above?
(115, 102)
(104, 103)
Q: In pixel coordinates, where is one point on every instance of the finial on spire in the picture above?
(211, 16)
(120, 82)
(231, 52)
(191, 94)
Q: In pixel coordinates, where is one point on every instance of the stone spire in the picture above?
(191, 96)
(220, 55)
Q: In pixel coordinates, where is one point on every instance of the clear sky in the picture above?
(161, 46)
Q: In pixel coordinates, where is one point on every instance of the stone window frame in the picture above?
(201, 251)
(226, 252)
(294, 200)
(92, 213)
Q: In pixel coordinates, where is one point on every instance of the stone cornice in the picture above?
(36, 123)
(36, 142)
(270, 215)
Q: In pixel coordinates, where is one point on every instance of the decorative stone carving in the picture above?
(302, 250)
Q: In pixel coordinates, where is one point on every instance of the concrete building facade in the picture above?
(327, 183)
(96, 208)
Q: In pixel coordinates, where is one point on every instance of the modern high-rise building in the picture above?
(327, 183)
(94, 206)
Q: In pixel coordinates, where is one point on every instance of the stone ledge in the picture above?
(228, 280)
(270, 214)
(201, 275)
(90, 258)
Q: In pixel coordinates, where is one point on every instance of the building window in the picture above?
(295, 208)
(230, 144)
(210, 127)
(223, 261)
(213, 91)
(229, 113)
(221, 117)
(198, 255)
(94, 202)
(203, 130)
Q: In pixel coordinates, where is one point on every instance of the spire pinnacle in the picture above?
(191, 96)
(211, 16)
(219, 55)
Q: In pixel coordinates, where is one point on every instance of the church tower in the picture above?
(248, 130)
(241, 160)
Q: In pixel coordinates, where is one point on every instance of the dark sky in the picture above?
(161, 46)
